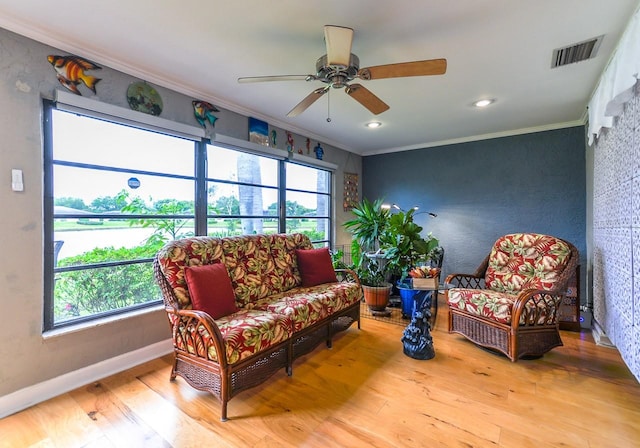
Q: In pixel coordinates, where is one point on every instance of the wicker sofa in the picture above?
(510, 304)
(275, 320)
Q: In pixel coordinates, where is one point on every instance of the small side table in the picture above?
(416, 338)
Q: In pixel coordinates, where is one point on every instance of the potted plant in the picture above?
(368, 228)
(386, 245)
(405, 247)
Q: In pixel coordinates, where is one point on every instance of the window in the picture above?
(242, 193)
(308, 202)
(115, 193)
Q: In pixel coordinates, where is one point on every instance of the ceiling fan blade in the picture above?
(338, 40)
(404, 69)
(308, 101)
(276, 78)
(365, 97)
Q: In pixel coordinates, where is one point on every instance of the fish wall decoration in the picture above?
(203, 112)
(70, 71)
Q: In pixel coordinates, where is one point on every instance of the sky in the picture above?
(87, 140)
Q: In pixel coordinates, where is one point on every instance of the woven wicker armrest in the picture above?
(465, 281)
(472, 281)
(535, 307)
(187, 331)
(347, 275)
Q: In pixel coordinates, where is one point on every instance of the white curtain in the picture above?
(617, 82)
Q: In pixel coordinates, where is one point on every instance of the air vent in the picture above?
(576, 52)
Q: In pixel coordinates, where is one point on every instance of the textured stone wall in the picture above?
(616, 233)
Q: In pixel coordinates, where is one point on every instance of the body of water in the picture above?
(79, 241)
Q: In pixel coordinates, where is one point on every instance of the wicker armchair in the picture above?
(510, 304)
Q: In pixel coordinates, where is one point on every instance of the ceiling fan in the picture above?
(338, 67)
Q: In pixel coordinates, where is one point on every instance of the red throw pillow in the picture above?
(315, 266)
(211, 290)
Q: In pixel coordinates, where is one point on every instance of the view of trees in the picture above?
(100, 290)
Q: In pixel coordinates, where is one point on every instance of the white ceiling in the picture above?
(495, 49)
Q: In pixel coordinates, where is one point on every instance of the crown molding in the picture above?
(474, 138)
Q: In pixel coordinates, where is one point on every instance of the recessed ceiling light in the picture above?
(483, 103)
(373, 124)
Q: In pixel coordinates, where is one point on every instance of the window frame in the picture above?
(50, 268)
(120, 116)
(328, 194)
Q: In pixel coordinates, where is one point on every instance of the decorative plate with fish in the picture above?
(144, 98)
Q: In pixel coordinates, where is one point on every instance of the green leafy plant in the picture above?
(404, 245)
(165, 229)
(368, 228)
(369, 224)
(386, 243)
(100, 290)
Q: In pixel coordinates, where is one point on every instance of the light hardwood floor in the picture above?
(364, 392)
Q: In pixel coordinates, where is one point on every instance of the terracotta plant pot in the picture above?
(377, 298)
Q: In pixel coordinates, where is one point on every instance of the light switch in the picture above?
(16, 180)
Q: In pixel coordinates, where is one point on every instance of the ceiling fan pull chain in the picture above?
(329, 106)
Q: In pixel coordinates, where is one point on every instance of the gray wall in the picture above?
(28, 358)
(484, 189)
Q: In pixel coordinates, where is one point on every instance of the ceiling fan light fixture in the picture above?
(338, 41)
(484, 103)
(373, 124)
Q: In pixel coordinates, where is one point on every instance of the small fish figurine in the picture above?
(204, 112)
(70, 72)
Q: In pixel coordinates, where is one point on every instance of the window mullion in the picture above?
(49, 279)
(201, 188)
(282, 197)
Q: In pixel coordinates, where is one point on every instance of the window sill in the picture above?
(99, 322)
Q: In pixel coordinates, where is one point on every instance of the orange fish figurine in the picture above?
(70, 72)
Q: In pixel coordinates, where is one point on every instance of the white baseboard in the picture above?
(45, 390)
(599, 335)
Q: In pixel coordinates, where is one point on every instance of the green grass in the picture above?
(74, 225)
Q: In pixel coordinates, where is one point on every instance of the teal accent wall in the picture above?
(484, 189)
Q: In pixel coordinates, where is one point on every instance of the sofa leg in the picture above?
(223, 414)
(174, 369)
(289, 370)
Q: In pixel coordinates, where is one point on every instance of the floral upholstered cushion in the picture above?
(245, 333)
(524, 261)
(248, 259)
(285, 274)
(336, 296)
(307, 305)
(303, 311)
(494, 305)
